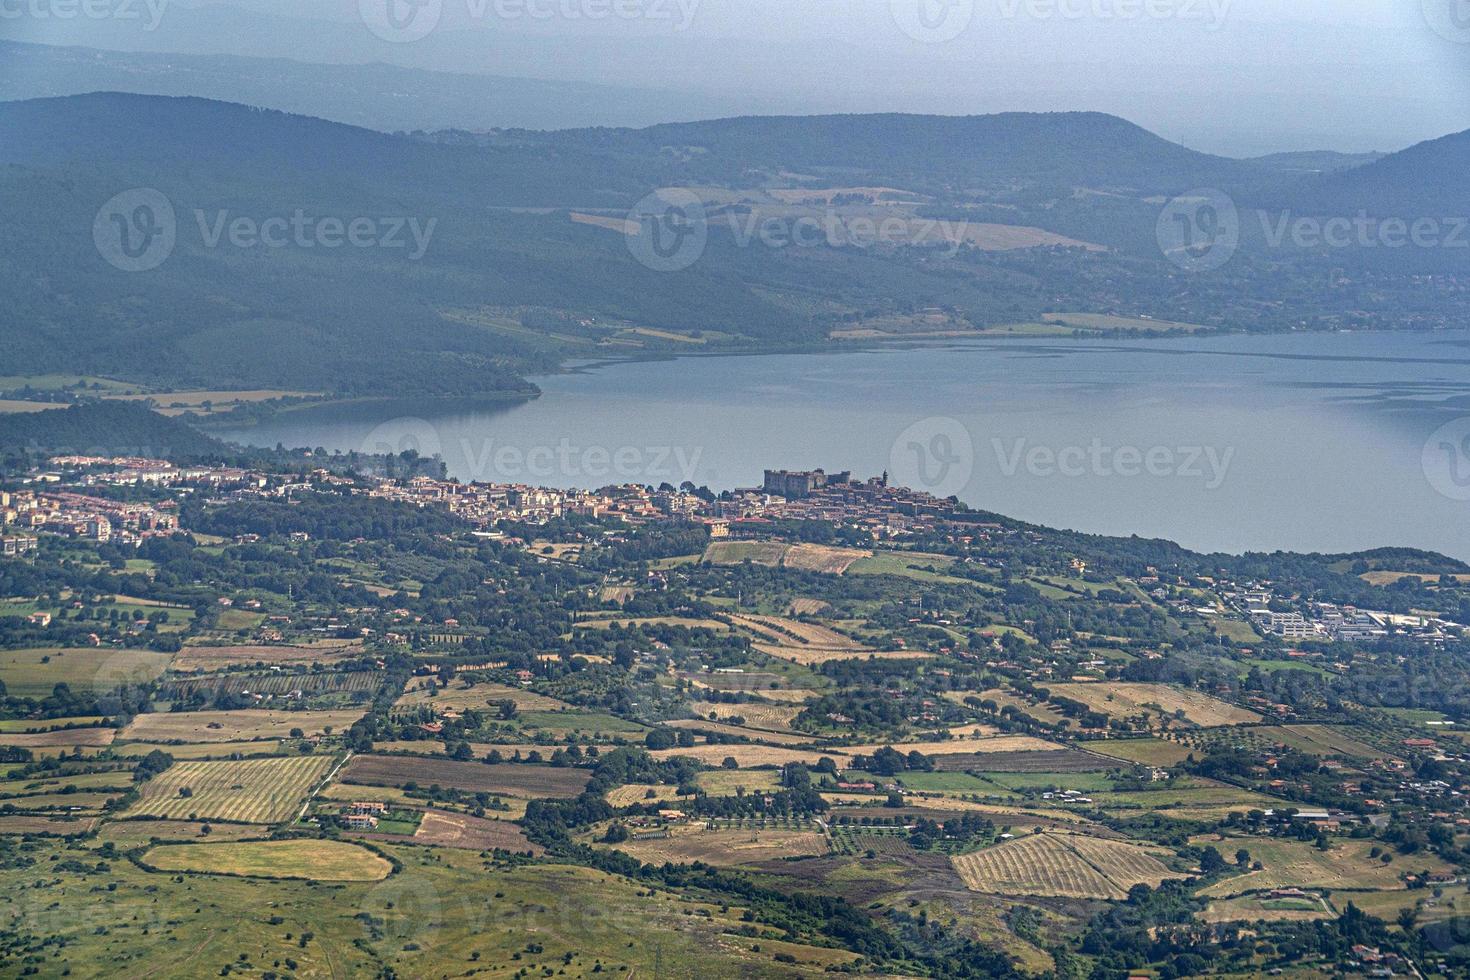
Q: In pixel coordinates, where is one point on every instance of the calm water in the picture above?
(1315, 443)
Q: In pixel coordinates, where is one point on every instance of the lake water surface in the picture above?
(1311, 443)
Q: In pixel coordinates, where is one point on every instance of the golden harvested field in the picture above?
(810, 644)
(637, 794)
(772, 717)
(1120, 700)
(1293, 864)
(808, 607)
(965, 746)
(739, 552)
(68, 737)
(789, 696)
(725, 848)
(135, 833)
(1252, 908)
(1322, 740)
(1007, 814)
(206, 750)
(820, 558)
(313, 860)
(1061, 865)
(727, 782)
(232, 726)
(179, 402)
(755, 734)
(1144, 751)
(202, 658)
(89, 670)
(15, 824)
(249, 791)
(480, 696)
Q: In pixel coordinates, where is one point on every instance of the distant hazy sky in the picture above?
(1230, 76)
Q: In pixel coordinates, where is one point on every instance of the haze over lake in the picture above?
(1309, 443)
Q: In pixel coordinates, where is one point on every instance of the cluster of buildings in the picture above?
(1327, 621)
(80, 516)
(873, 505)
(124, 471)
(489, 503)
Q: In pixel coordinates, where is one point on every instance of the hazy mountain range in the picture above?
(510, 248)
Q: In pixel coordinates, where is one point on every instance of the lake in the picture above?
(1327, 443)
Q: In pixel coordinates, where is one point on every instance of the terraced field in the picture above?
(1061, 865)
(248, 791)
